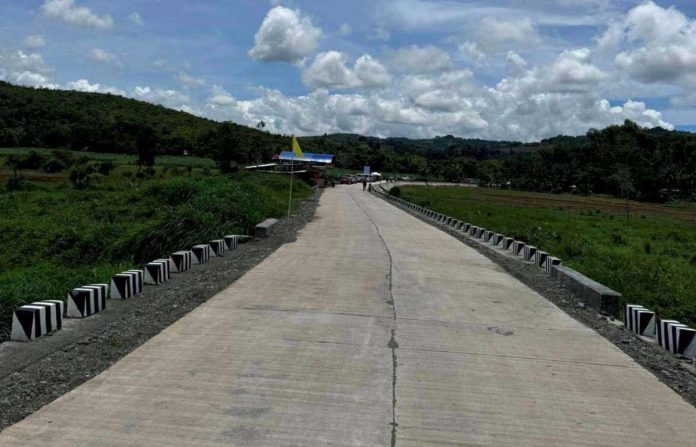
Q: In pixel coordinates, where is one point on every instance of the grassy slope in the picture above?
(650, 259)
(56, 238)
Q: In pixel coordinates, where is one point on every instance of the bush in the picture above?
(64, 155)
(33, 160)
(106, 167)
(54, 165)
(395, 191)
(82, 176)
(16, 184)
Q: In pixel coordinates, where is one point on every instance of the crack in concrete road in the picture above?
(393, 344)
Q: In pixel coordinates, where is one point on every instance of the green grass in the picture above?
(56, 238)
(162, 160)
(650, 259)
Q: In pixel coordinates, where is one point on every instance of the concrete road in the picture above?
(373, 328)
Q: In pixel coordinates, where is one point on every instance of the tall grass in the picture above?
(650, 259)
(58, 238)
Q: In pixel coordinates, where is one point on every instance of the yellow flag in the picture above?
(296, 148)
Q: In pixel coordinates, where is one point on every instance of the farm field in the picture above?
(650, 258)
(56, 237)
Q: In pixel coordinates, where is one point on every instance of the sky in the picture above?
(497, 69)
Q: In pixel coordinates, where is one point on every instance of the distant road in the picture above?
(373, 328)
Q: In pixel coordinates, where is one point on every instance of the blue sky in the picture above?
(499, 69)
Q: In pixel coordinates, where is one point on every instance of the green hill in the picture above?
(104, 123)
(647, 164)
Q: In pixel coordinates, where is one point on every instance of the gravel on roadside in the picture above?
(679, 374)
(34, 374)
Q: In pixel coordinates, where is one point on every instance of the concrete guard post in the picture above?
(182, 260)
(218, 247)
(639, 320)
(529, 252)
(86, 301)
(29, 322)
(264, 228)
(540, 258)
(551, 261)
(598, 296)
(201, 253)
(518, 248)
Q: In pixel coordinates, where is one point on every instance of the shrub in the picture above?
(106, 167)
(82, 176)
(64, 155)
(16, 184)
(395, 191)
(54, 165)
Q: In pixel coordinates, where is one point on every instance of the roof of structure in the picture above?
(307, 158)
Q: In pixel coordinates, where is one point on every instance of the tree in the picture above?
(624, 182)
(223, 145)
(145, 144)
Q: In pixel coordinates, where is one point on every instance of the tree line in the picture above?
(626, 160)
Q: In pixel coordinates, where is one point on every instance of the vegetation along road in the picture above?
(649, 257)
(63, 230)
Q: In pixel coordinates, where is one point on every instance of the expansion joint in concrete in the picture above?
(393, 344)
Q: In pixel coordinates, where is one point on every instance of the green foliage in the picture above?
(106, 167)
(627, 161)
(395, 191)
(16, 183)
(82, 175)
(223, 147)
(109, 123)
(57, 238)
(54, 165)
(650, 261)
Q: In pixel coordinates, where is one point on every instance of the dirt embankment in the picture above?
(34, 374)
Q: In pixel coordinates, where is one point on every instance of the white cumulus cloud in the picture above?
(99, 55)
(69, 12)
(166, 97)
(27, 69)
(83, 85)
(137, 19)
(190, 81)
(534, 102)
(285, 36)
(654, 44)
(331, 70)
(497, 34)
(35, 42)
(425, 59)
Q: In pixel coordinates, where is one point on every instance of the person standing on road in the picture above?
(364, 184)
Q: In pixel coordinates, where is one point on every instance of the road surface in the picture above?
(373, 328)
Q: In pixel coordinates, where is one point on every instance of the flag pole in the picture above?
(292, 173)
